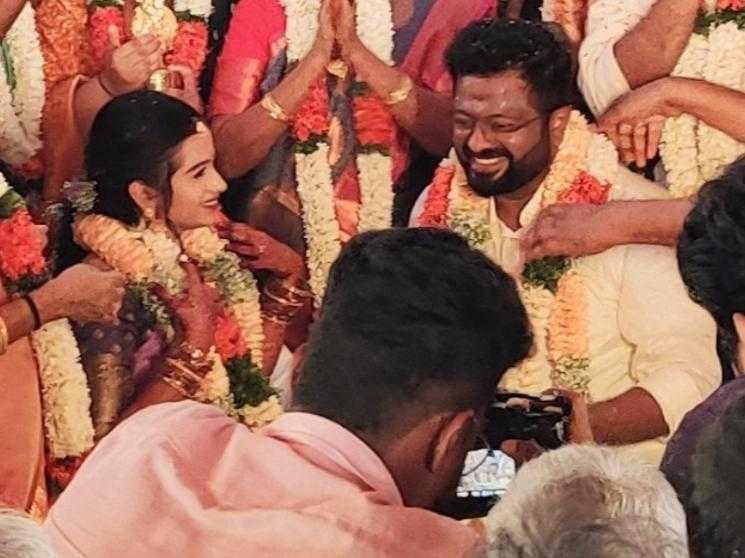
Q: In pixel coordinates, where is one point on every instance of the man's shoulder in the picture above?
(183, 424)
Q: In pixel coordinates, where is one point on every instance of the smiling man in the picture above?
(617, 327)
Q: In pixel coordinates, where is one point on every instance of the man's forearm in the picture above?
(646, 221)
(9, 10)
(651, 49)
(720, 107)
(630, 418)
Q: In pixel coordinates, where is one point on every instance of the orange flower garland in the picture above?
(190, 45)
(585, 189)
(23, 245)
(435, 213)
(312, 118)
(229, 340)
(101, 20)
(373, 122)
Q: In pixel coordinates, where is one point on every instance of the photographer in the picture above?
(415, 331)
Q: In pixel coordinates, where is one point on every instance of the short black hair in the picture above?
(711, 252)
(714, 494)
(133, 138)
(406, 312)
(536, 49)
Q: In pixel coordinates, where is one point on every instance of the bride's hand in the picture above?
(197, 310)
(261, 252)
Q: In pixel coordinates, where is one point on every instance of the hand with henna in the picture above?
(261, 252)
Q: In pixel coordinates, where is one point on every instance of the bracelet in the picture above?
(4, 337)
(274, 109)
(275, 319)
(34, 311)
(402, 93)
(102, 86)
(283, 301)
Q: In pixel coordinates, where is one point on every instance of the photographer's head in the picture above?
(584, 500)
(711, 252)
(414, 334)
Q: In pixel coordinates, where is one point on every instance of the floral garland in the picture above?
(552, 289)
(22, 91)
(375, 134)
(692, 151)
(149, 257)
(22, 262)
(183, 30)
(67, 421)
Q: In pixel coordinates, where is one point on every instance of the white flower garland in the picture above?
(4, 186)
(693, 152)
(562, 360)
(65, 394)
(195, 8)
(315, 185)
(237, 285)
(322, 233)
(725, 66)
(21, 108)
(375, 171)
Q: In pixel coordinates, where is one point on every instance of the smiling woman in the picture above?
(196, 322)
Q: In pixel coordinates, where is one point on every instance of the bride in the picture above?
(208, 301)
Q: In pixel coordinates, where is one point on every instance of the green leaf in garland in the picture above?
(707, 21)
(9, 203)
(546, 272)
(247, 384)
(8, 68)
(310, 146)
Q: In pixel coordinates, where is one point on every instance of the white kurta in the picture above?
(644, 331)
(600, 77)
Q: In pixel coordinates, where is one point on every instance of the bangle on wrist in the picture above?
(4, 337)
(274, 109)
(34, 311)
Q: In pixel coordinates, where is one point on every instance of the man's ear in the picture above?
(145, 198)
(739, 322)
(454, 437)
(557, 123)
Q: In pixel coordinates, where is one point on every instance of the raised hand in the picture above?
(131, 64)
(635, 121)
(197, 310)
(261, 252)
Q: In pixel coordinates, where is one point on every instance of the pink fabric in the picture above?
(182, 480)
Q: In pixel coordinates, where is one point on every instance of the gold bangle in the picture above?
(282, 301)
(179, 376)
(402, 93)
(4, 336)
(279, 320)
(274, 109)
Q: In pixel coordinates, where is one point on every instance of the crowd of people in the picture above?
(269, 267)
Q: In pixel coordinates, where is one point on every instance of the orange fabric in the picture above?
(62, 26)
(22, 483)
(63, 156)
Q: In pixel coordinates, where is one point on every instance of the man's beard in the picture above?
(516, 176)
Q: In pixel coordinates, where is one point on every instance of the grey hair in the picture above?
(582, 501)
(20, 537)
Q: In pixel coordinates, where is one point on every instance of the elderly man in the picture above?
(583, 501)
(415, 331)
(617, 327)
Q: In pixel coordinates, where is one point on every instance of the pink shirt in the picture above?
(182, 479)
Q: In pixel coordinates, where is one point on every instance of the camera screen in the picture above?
(487, 474)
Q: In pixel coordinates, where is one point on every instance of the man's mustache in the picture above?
(487, 154)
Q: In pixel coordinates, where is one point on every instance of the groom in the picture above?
(617, 327)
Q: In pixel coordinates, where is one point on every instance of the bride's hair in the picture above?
(133, 137)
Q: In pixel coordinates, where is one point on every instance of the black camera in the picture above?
(514, 416)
